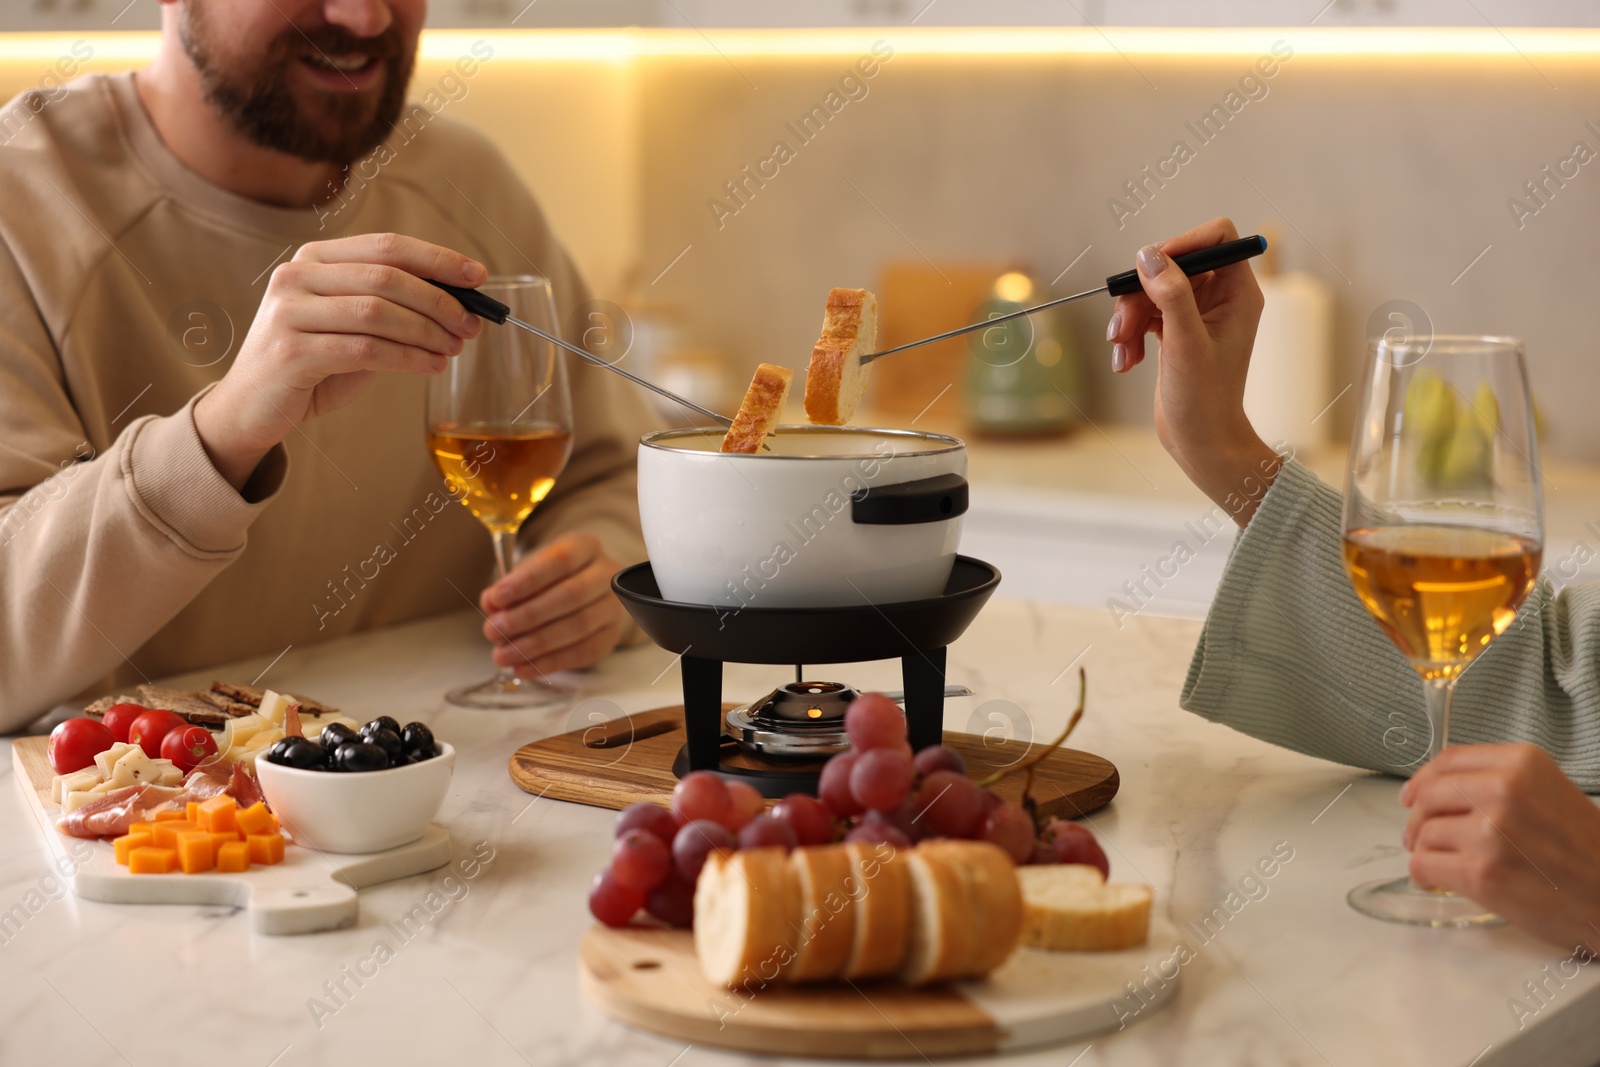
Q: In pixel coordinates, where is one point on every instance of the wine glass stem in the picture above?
(1437, 694)
(505, 557)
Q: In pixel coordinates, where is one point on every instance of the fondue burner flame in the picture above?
(804, 719)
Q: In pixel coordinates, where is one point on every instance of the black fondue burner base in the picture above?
(916, 632)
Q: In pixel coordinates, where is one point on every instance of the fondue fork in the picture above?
(1196, 262)
(487, 307)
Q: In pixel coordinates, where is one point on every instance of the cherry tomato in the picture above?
(119, 717)
(75, 743)
(188, 746)
(148, 730)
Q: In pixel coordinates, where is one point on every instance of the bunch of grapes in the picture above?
(877, 791)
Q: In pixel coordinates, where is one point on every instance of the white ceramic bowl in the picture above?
(366, 811)
(782, 529)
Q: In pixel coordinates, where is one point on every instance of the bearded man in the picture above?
(212, 383)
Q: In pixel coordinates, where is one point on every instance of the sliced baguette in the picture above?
(943, 922)
(826, 928)
(993, 900)
(1070, 908)
(760, 410)
(836, 378)
(881, 888)
(745, 906)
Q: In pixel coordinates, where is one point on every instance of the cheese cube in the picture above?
(265, 848)
(166, 833)
(171, 815)
(150, 860)
(264, 740)
(216, 813)
(233, 856)
(127, 843)
(75, 800)
(273, 707)
(143, 828)
(76, 782)
(255, 819)
(100, 789)
(134, 768)
(225, 837)
(170, 774)
(196, 852)
(108, 759)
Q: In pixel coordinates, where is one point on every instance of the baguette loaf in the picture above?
(944, 919)
(1070, 908)
(745, 907)
(993, 899)
(836, 378)
(760, 410)
(882, 892)
(827, 922)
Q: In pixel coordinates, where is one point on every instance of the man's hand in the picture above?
(332, 317)
(1502, 825)
(556, 610)
(1206, 326)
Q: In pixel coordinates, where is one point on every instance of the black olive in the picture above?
(382, 722)
(337, 733)
(387, 740)
(421, 754)
(400, 759)
(417, 737)
(360, 756)
(279, 752)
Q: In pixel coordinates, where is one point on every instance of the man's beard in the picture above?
(256, 94)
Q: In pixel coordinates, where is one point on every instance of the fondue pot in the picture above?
(831, 516)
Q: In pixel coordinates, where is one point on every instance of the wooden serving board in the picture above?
(648, 977)
(630, 759)
(307, 892)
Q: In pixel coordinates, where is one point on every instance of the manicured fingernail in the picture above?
(1113, 326)
(1119, 358)
(1152, 261)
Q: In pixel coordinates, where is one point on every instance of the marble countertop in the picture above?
(486, 972)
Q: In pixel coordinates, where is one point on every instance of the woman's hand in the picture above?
(1502, 825)
(556, 610)
(1206, 326)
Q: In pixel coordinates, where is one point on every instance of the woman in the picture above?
(1288, 653)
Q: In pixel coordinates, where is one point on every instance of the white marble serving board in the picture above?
(309, 891)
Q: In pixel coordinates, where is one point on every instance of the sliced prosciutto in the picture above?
(112, 814)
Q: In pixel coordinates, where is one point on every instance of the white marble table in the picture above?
(485, 972)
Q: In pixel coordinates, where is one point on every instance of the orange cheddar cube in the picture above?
(191, 811)
(225, 837)
(217, 814)
(233, 856)
(152, 860)
(166, 832)
(142, 828)
(265, 848)
(196, 852)
(255, 819)
(127, 843)
(171, 816)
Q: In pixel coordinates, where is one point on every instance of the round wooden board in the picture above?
(648, 977)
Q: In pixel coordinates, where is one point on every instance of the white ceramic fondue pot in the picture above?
(832, 516)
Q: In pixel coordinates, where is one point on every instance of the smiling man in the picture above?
(212, 385)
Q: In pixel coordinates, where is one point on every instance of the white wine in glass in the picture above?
(499, 427)
(1443, 537)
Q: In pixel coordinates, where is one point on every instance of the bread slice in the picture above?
(826, 926)
(881, 888)
(993, 900)
(940, 943)
(745, 905)
(836, 378)
(760, 410)
(97, 709)
(1069, 908)
(185, 703)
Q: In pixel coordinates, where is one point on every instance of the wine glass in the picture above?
(499, 422)
(1443, 535)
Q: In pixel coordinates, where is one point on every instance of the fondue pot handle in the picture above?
(924, 500)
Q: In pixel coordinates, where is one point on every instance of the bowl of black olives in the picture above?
(357, 790)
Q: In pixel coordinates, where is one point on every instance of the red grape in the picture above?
(1073, 843)
(1010, 827)
(695, 841)
(702, 795)
(647, 816)
(673, 902)
(807, 817)
(939, 758)
(902, 817)
(1043, 853)
(875, 833)
(988, 800)
(874, 721)
(949, 805)
(611, 902)
(881, 778)
(639, 860)
(764, 831)
(747, 804)
(833, 786)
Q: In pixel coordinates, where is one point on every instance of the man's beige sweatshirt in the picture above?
(127, 283)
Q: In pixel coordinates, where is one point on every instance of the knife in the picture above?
(1192, 263)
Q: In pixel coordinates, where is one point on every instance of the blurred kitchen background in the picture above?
(715, 166)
